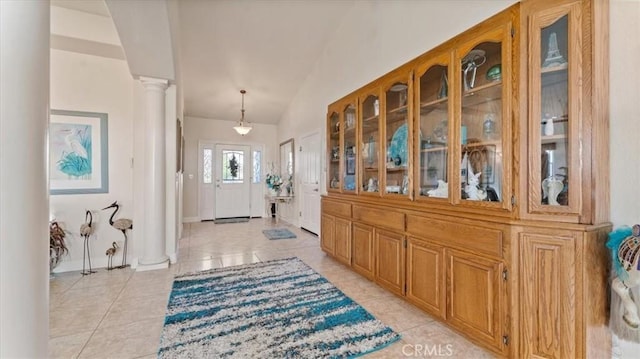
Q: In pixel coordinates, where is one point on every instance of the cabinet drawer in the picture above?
(336, 208)
(468, 237)
(379, 217)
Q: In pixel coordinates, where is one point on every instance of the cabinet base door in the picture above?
(362, 250)
(342, 240)
(327, 238)
(389, 249)
(476, 297)
(425, 276)
(547, 296)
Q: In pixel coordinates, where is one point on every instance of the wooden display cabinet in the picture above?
(482, 117)
(333, 151)
(370, 146)
(396, 130)
(516, 261)
(433, 116)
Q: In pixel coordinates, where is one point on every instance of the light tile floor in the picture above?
(120, 313)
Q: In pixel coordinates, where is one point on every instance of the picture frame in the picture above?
(78, 152)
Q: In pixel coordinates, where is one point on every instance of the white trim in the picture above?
(147, 267)
(190, 219)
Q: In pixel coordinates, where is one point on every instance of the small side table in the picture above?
(273, 200)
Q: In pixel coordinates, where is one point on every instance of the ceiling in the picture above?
(264, 47)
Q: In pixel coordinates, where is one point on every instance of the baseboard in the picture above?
(190, 219)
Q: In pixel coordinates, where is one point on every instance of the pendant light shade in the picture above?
(242, 129)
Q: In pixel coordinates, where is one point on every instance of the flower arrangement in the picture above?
(274, 182)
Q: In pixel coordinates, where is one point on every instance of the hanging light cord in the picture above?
(242, 111)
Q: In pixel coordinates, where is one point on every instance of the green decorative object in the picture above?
(494, 73)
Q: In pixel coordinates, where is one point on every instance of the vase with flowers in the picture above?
(274, 183)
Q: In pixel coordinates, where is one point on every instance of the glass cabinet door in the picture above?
(484, 130)
(370, 144)
(333, 155)
(349, 155)
(432, 92)
(396, 130)
(554, 77)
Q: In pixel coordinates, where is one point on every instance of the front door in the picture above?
(233, 181)
(309, 173)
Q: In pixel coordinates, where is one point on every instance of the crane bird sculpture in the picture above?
(86, 230)
(624, 244)
(110, 252)
(121, 224)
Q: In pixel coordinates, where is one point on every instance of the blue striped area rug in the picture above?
(275, 309)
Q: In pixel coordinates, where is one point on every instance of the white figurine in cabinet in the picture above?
(373, 185)
(471, 189)
(442, 191)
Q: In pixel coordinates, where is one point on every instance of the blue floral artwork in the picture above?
(78, 152)
(71, 147)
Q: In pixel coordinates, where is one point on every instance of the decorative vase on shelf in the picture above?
(548, 124)
(274, 192)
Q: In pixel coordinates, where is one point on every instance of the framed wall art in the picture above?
(78, 152)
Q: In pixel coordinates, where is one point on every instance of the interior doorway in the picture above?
(216, 198)
(309, 173)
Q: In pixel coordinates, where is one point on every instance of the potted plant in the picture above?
(57, 246)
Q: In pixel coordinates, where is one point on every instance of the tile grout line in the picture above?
(105, 314)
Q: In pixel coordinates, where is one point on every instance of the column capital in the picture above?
(151, 82)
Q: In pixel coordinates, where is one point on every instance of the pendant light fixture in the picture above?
(241, 128)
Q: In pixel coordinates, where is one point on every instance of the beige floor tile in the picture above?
(236, 260)
(120, 313)
(74, 320)
(198, 266)
(68, 346)
(125, 341)
(135, 309)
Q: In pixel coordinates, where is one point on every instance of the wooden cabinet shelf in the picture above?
(553, 139)
(482, 94)
(396, 169)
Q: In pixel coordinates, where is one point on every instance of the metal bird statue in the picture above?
(122, 225)
(110, 252)
(86, 230)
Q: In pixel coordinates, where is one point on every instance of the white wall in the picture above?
(624, 126)
(81, 82)
(95, 84)
(202, 129)
(624, 111)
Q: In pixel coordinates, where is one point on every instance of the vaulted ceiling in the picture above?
(267, 47)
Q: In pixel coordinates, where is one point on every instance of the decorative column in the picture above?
(154, 251)
(24, 193)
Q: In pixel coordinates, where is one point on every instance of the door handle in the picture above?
(315, 190)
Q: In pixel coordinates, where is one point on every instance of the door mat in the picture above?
(231, 220)
(278, 233)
